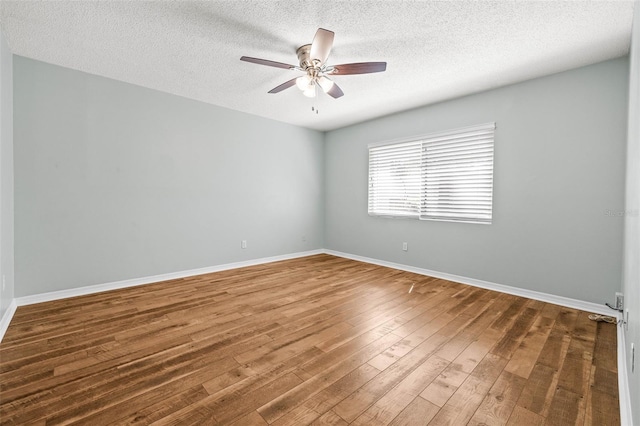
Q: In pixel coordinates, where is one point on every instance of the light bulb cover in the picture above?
(325, 83)
(310, 91)
(303, 82)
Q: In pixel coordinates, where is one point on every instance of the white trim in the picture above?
(531, 294)
(81, 291)
(6, 318)
(626, 414)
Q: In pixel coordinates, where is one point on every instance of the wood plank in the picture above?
(460, 408)
(440, 390)
(521, 416)
(316, 404)
(251, 419)
(476, 351)
(555, 349)
(418, 412)
(482, 318)
(391, 355)
(285, 402)
(539, 390)
(566, 319)
(329, 418)
(300, 415)
(497, 406)
(511, 340)
(398, 398)
(129, 400)
(603, 399)
(606, 343)
(231, 406)
(526, 355)
(351, 355)
(565, 408)
(576, 368)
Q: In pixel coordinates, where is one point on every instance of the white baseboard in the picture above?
(81, 291)
(530, 294)
(6, 318)
(626, 416)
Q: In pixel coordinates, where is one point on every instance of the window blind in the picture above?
(395, 179)
(457, 175)
(443, 176)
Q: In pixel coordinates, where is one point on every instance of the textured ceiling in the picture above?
(434, 50)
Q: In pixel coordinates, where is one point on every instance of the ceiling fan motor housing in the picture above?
(303, 53)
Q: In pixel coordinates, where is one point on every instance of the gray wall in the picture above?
(114, 181)
(559, 167)
(6, 175)
(631, 282)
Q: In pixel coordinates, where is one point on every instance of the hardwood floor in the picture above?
(318, 340)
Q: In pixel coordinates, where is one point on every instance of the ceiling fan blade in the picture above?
(267, 62)
(321, 45)
(284, 85)
(335, 92)
(359, 68)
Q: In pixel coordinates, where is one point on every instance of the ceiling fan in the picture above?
(312, 58)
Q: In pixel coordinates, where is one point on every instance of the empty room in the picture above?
(319, 212)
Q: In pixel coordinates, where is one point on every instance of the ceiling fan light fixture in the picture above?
(310, 91)
(325, 83)
(303, 82)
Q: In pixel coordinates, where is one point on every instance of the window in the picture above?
(443, 176)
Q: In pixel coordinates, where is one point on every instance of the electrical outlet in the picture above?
(619, 301)
(243, 244)
(405, 247)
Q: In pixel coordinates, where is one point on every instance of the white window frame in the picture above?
(455, 181)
